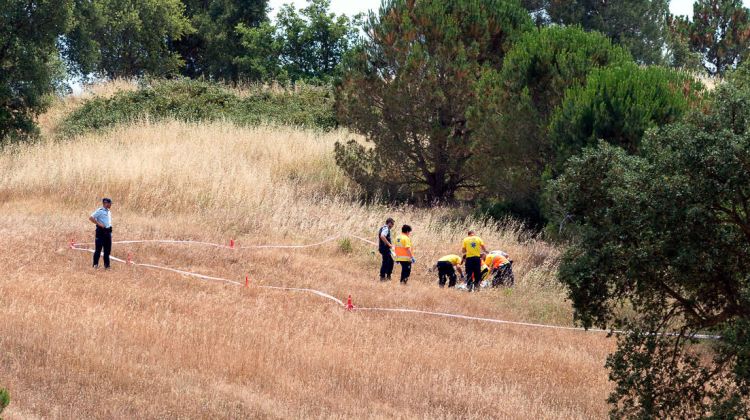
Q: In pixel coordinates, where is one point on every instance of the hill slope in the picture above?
(132, 342)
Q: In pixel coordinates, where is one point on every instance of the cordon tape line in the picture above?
(392, 310)
(218, 279)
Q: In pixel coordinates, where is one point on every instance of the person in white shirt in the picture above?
(102, 218)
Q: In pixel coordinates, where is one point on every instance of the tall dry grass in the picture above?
(132, 343)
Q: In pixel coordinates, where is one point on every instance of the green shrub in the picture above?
(193, 100)
(4, 399)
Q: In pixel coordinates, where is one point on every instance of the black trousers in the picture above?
(473, 272)
(103, 242)
(446, 272)
(504, 276)
(405, 270)
(386, 268)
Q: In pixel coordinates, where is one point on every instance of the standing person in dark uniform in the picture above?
(473, 248)
(102, 218)
(385, 247)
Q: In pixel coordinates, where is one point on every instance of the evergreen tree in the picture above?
(409, 87)
(720, 32)
(514, 107)
(618, 104)
(638, 25)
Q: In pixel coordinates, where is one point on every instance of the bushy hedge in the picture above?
(192, 100)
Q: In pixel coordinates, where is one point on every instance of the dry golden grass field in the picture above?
(137, 343)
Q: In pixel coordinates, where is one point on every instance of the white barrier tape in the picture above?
(399, 310)
(524, 324)
(205, 277)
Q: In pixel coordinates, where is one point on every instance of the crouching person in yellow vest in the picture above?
(501, 268)
(404, 256)
(447, 267)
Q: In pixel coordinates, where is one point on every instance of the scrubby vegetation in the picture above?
(196, 101)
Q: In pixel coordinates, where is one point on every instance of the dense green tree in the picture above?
(215, 49)
(618, 104)
(720, 31)
(308, 44)
(409, 87)
(638, 25)
(313, 41)
(661, 248)
(29, 62)
(514, 106)
(125, 38)
(260, 59)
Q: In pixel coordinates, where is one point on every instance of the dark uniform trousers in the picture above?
(103, 243)
(446, 272)
(473, 272)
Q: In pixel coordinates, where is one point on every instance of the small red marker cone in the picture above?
(130, 258)
(71, 244)
(231, 244)
(247, 281)
(349, 306)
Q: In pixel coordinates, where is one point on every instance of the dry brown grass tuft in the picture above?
(131, 343)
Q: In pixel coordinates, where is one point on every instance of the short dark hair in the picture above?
(107, 200)
(389, 220)
(405, 229)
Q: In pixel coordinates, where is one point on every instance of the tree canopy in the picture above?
(408, 89)
(637, 25)
(720, 31)
(514, 106)
(618, 104)
(126, 38)
(662, 249)
(29, 64)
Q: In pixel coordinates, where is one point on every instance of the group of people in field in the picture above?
(475, 265)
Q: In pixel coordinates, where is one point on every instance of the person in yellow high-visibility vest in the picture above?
(473, 248)
(404, 255)
(447, 267)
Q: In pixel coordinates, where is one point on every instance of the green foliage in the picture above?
(213, 50)
(126, 38)
(313, 41)
(666, 234)
(514, 106)
(4, 399)
(679, 53)
(190, 100)
(29, 64)
(306, 45)
(617, 105)
(637, 25)
(720, 31)
(408, 89)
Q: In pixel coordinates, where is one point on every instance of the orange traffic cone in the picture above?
(247, 281)
(349, 306)
(71, 244)
(130, 258)
(231, 244)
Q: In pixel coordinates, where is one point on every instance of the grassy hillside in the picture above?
(80, 343)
